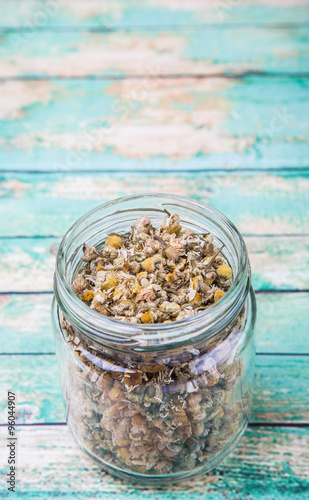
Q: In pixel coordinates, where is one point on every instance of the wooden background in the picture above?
(202, 98)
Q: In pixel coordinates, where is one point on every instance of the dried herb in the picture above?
(156, 414)
(153, 275)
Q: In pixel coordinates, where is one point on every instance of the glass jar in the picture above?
(159, 402)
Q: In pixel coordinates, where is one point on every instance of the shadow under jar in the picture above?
(160, 402)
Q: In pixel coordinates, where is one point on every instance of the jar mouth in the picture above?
(103, 220)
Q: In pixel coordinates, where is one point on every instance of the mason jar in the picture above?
(155, 402)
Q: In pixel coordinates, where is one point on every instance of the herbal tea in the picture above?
(154, 336)
(153, 275)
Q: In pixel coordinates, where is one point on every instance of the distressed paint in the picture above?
(282, 323)
(151, 124)
(268, 463)
(273, 262)
(280, 391)
(158, 125)
(28, 264)
(51, 203)
(154, 13)
(197, 52)
(26, 324)
(36, 382)
(284, 380)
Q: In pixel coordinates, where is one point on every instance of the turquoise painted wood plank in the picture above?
(154, 124)
(273, 262)
(290, 154)
(51, 203)
(27, 265)
(283, 379)
(197, 52)
(33, 14)
(267, 464)
(32, 266)
(280, 392)
(26, 324)
(36, 382)
(282, 323)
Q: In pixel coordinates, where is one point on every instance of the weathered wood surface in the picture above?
(154, 124)
(37, 14)
(27, 264)
(196, 52)
(271, 204)
(60, 112)
(269, 463)
(282, 323)
(280, 391)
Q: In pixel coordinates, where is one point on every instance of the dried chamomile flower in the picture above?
(197, 299)
(110, 282)
(151, 247)
(148, 317)
(113, 240)
(152, 263)
(199, 285)
(180, 264)
(172, 253)
(197, 281)
(142, 225)
(88, 295)
(89, 253)
(170, 308)
(210, 278)
(100, 308)
(109, 252)
(134, 267)
(225, 271)
(79, 285)
(171, 224)
(132, 379)
(140, 256)
(218, 295)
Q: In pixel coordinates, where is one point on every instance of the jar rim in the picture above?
(103, 329)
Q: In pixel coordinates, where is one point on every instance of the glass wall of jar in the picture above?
(159, 402)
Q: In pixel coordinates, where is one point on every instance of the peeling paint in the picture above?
(16, 97)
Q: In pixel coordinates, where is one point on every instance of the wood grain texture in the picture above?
(280, 391)
(51, 203)
(34, 14)
(198, 52)
(267, 464)
(26, 324)
(154, 124)
(27, 265)
(282, 323)
(214, 138)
